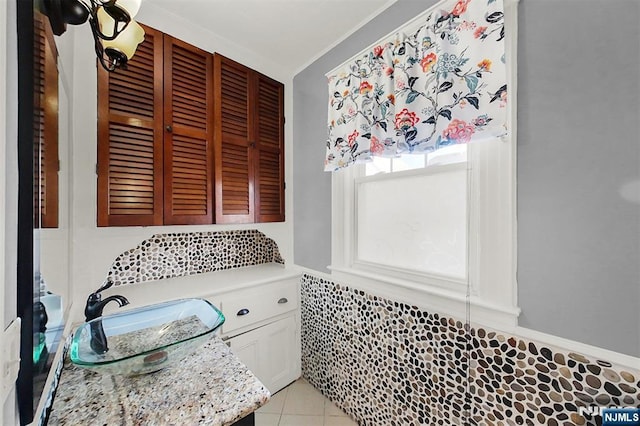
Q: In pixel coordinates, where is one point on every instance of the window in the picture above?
(474, 185)
(432, 228)
(450, 155)
(426, 241)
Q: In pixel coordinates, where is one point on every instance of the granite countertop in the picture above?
(210, 387)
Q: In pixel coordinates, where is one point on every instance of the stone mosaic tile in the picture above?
(207, 252)
(180, 254)
(126, 268)
(164, 256)
(388, 363)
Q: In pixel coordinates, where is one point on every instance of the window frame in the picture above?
(492, 255)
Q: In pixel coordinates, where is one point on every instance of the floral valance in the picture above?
(441, 82)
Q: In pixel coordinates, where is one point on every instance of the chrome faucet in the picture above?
(93, 309)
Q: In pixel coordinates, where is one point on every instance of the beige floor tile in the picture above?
(267, 419)
(302, 405)
(330, 409)
(301, 384)
(303, 399)
(275, 404)
(295, 420)
(338, 421)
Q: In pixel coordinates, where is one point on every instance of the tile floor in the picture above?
(300, 404)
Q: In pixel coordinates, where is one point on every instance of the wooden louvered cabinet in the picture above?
(45, 154)
(249, 150)
(188, 141)
(183, 133)
(130, 139)
(233, 137)
(269, 124)
(154, 136)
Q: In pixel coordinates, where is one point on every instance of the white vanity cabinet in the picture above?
(261, 327)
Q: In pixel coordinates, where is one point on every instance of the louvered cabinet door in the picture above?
(130, 132)
(234, 140)
(188, 139)
(269, 123)
(46, 164)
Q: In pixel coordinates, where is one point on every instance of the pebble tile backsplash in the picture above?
(389, 363)
(176, 255)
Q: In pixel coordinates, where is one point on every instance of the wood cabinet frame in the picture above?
(180, 139)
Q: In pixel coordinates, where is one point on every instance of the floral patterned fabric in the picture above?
(443, 83)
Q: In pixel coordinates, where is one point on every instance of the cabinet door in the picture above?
(188, 134)
(234, 140)
(270, 352)
(130, 182)
(249, 144)
(45, 125)
(270, 150)
(279, 362)
(247, 348)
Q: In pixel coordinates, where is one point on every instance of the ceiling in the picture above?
(291, 32)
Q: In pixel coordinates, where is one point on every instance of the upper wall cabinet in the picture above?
(249, 144)
(163, 121)
(155, 138)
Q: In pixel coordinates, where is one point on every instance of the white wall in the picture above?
(8, 183)
(3, 157)
(54, 243)
(93, 249)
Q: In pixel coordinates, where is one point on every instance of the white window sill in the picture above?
(430, 298)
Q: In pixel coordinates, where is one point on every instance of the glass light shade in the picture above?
(128, 40)
(131, 6)
(108, 26)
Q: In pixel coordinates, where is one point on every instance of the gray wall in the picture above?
(578, 155)
(312, 186)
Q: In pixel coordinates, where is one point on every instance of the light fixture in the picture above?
(115, 33)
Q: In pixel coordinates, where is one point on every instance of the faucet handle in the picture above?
(108, 284)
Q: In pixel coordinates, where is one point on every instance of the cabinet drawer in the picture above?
(247, 307)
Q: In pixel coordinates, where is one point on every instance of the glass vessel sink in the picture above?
(146, 339)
